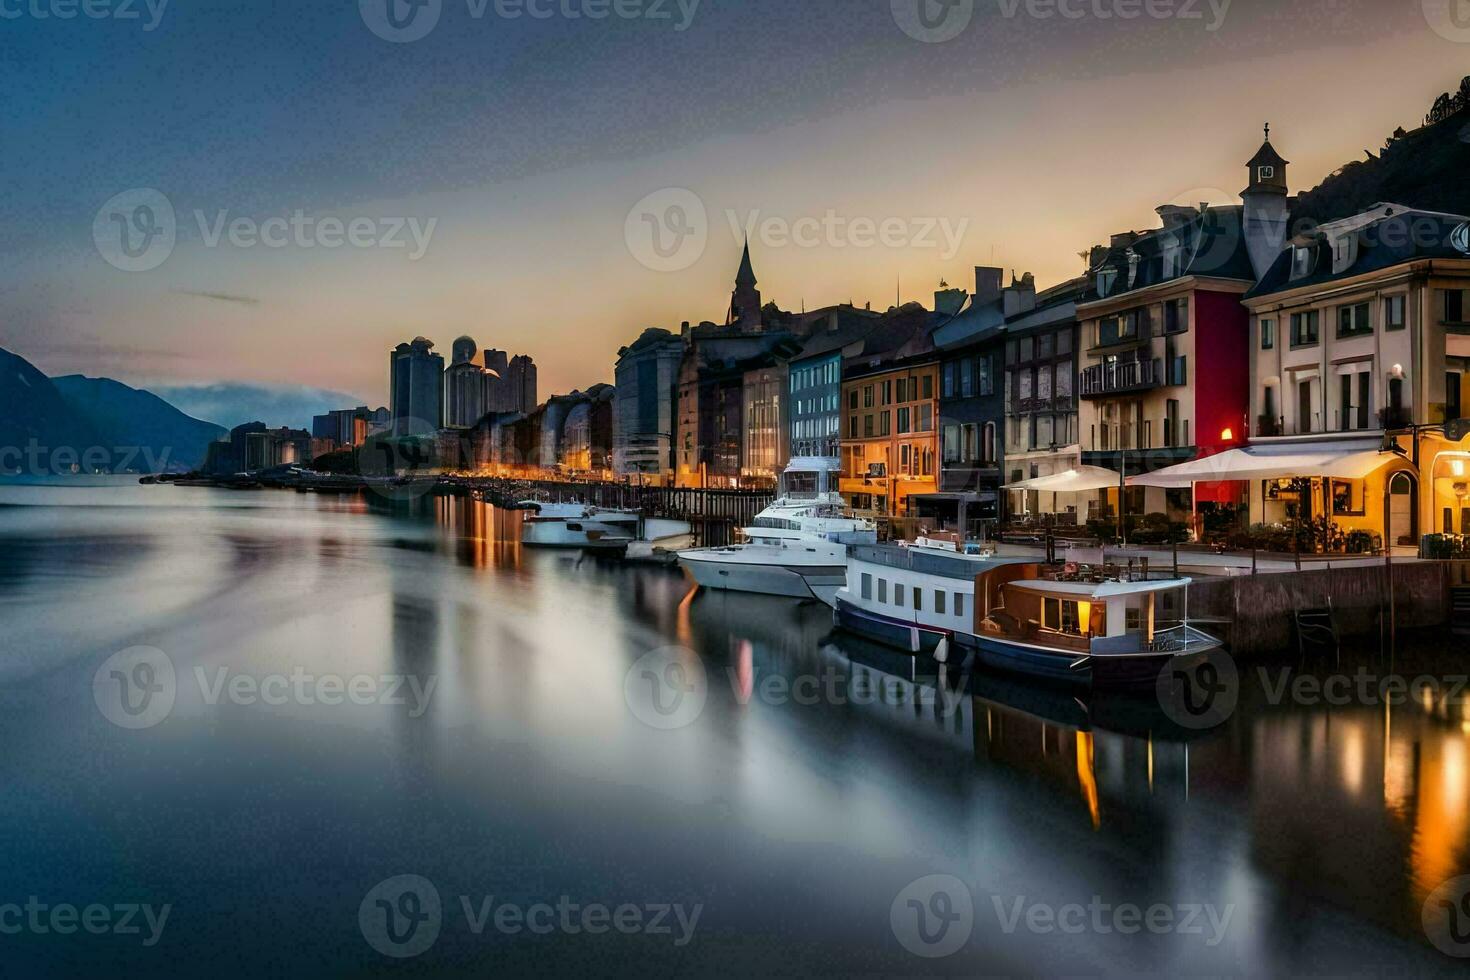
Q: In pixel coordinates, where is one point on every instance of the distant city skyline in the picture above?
(1018, 143)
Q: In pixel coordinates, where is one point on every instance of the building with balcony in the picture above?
(890, 399)
(1360, 343)
(1041, 400)
(1163, 375)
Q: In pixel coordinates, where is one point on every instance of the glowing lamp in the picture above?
(1227, 435)
(1457, 467)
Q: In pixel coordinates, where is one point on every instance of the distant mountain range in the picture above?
(53, 425)
(234, 403)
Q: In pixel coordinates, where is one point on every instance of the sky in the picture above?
(303, 185)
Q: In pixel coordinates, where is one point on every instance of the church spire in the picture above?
(746, 275)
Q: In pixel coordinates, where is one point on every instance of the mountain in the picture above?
(233, 404)
(162, 438)
(40, 432)
(1422, 169)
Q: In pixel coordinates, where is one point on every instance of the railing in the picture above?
(1123, 376)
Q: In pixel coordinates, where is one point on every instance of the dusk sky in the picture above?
(518, 147)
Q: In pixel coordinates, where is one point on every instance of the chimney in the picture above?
(1020, 296)
(1096, 256)
(1124, 239)
(987, 284)
(947, 300)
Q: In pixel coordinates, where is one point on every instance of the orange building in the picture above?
(890, 432)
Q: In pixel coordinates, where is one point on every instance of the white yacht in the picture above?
(577, 525)
(795, 547)
(1061, 623)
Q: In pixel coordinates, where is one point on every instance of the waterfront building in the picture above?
(968, 337)
(520, 385)
(1040, 385)
(587, 433)
(1167, 303)
(764, 449)
(1360, 331)
(890, 397)
(349, 426)
(416, 386)
(647, 380)
(814, 401)
(466, 385)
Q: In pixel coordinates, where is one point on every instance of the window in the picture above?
(1454, 306)
(1305, 328)
(883, 423)
(867, 585)
(1353, 400)
(968, 448)
(1064, 381)
(1043, 383)
(1304, 407)
(1064, 342)
(1011, 349)
(927, 385)
(947, 390)
(950, 444)
(903, 389)
(1354, 321)
(903, 421)
(987, 377)
(959, 603)
(888, 392)
(1179, 371)
(898, 591)
(867, 426)
(852, 427)
(1265, 173)
(1393, 313)
(1268, 410)
(1347, 498)
(967, 378)
(918, 599)
(852, 399)
(867, 396)
(926, 417)
(883, 590)
(939, 603)
(1452, 406)
(1268, 334)
(1171, 423)
(1176, 315)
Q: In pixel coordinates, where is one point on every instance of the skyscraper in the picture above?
(521, 379)
(465, 386)
(416, 386)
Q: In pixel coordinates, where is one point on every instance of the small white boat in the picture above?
(576, 525)
(1057, 623)
(796, 547)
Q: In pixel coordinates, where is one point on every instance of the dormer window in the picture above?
(1301, 262)
(1265, 173)
(1105, 281)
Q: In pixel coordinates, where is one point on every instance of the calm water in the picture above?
(530, 771)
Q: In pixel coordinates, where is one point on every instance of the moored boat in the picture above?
(576, 525)
(1059, 623)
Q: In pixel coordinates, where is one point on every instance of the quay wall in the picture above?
(1256, 611)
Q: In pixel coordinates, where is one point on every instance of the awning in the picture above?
(1345, 461)
(1078, 480)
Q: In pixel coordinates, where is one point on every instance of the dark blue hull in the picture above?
(1101, 672)
(890, 632)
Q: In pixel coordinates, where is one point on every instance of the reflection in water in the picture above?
(821, 777)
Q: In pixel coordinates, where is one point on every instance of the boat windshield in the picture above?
(800, 485)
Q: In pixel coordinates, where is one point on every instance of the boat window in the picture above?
(959, 603)
(883, 590)
(898, 594)
(918, 599)
(939, 601)
(1061, 616)
(867, 585)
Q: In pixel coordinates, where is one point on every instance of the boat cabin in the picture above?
(1039, 605)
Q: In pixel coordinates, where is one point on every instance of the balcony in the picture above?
(1121, 378)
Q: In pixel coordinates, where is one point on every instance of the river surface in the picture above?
(261, 710)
